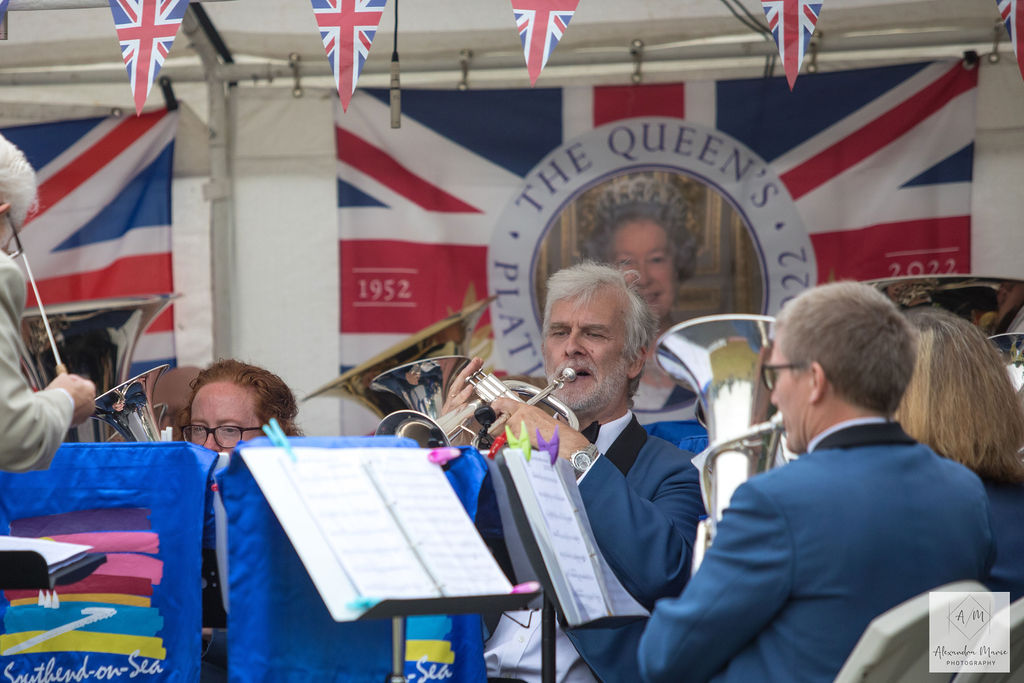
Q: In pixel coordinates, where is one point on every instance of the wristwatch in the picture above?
(582, 459)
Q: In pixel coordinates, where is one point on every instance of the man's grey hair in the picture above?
(859, 337)
(17, 182)
(582, 282)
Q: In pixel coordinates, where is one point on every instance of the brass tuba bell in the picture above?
(720, 356)
(96, 339)
(447, 337)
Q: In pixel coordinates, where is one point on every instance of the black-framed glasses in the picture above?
(770, 373)
(226, 436)
(11, 243)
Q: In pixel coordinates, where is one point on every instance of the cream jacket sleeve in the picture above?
(32, 424)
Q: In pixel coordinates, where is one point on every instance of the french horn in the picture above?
(720, 356)
(422, 385)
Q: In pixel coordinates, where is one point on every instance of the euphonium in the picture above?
(720, 356)
(425, 424)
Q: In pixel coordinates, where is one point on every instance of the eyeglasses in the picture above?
(770, 373)
(10, 243)
(226, 436)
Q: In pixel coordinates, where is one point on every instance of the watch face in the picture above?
(581, 461)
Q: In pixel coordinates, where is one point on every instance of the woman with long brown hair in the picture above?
(962, 403)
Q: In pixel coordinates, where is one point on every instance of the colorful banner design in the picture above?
(860, 174)
(347, 28)
(110, 611)
(137, 616)
(1012, 13)
(146, 29)
(792, 24)
(279, 626)
(541, 25)
(103, 225)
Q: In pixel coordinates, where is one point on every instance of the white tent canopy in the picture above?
(255, 219)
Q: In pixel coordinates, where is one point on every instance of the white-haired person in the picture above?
(32, 423)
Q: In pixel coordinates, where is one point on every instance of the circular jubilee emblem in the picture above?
(707, 224)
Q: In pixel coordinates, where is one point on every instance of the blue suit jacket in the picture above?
(807, 554)
(643, 501)
(1007, 501)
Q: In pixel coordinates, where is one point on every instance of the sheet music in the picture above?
(564, 535)
(435, 522)
(361, 532)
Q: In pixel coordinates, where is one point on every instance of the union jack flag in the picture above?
(792, 24)
(146, 29)
(541, 24)
(347, 28)
(1012, 12)
(878, 163)
(102, 228)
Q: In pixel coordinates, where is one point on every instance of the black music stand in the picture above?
(398, 609)
(27, 570)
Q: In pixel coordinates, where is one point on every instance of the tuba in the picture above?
(423, 421)
(447, 337)
(720, 356)
(96, 339)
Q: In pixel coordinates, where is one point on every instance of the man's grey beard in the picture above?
(607, 392)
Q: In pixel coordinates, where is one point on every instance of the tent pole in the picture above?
(219, 192)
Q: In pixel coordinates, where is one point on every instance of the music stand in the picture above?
(27, 570)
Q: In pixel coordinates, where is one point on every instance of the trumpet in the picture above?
(440, 430)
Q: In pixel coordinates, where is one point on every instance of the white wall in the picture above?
(997, 201)
(285, 302)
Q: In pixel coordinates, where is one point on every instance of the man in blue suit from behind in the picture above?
(808, 554)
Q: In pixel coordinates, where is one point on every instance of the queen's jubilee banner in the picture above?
(727, 197)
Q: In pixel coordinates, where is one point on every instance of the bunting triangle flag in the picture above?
(146, 29)
(792, 24)
(347, 28)
(541, 24)
(1012, 12)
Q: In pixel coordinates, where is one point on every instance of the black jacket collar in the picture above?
(625, 449)
(866, 435)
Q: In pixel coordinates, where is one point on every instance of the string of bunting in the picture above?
(347, 28)
(541, 25)
(146, 30)
(1012, 13)
(792, 24)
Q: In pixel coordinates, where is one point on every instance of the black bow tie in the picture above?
(591, 431)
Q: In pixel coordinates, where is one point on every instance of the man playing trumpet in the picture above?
(641, 493)
(32, 424)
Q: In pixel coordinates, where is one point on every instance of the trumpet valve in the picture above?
(489, 387)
